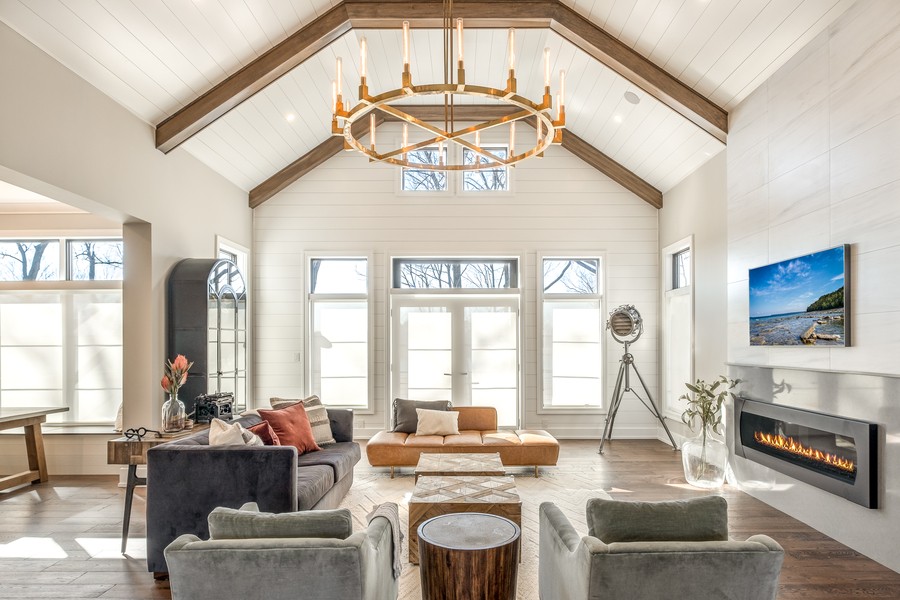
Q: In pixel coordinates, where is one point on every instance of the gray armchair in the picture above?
(654, 551)
(310, 555)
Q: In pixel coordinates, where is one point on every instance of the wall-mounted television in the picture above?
(802, 301)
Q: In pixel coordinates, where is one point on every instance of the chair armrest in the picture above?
(377, 558)
(767, 542)
(341, 424)
(185, 482)
(564, 563)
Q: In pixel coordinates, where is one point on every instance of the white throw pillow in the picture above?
(437, 422)
(224, 434)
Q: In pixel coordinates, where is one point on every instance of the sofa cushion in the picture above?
(437, 422)
(318, 416)
(231, 434)
(465, 438)
(313, 482)
(266, 433)
(702, 519)
(501, 438)
(232, 524)
(292, 427)
(340, 457)
(405, 417)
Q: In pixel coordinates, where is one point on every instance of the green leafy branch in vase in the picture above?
(706, 404)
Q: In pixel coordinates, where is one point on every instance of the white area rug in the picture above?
(570, 491)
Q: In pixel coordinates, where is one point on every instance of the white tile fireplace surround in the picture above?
(861, 397)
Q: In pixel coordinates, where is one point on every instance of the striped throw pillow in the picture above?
(318, 416)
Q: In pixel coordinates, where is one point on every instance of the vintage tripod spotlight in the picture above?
(626, 326)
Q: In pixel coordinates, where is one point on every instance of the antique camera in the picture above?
(213, 406)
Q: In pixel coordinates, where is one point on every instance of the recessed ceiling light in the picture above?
(290, 117)
(617, 118)
(632, 97)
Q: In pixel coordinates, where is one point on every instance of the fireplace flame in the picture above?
(792, 446)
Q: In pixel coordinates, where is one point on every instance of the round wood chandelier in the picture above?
(547, 129)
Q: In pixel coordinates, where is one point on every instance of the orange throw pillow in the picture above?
(292, 427)
(266, 433)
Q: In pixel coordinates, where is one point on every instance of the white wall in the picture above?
(697, 206)
(814, 161)
(64, 139)
(559, 204)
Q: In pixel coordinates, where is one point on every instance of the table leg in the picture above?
(133, 481)
(34, 445)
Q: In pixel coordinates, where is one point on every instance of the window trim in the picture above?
(455, 178)
(667, 259)
(462, 191)
(540, 297)
(368, 297)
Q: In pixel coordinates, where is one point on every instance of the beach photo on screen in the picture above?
(801, 301)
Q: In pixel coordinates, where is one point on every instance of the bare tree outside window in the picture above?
(571, 276)
(26, 260)
(91, 260)
(485, 180)
(454, 274)
(421, 180)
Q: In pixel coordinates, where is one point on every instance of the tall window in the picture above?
(678, 320)
(424, 180)
(339, 331)
(572, 336)
(62, 346)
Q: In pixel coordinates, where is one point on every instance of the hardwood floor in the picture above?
(61, 539)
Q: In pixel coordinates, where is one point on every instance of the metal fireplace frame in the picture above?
(864, 490)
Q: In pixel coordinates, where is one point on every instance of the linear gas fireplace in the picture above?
(836, 454)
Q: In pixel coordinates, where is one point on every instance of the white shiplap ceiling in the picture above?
(156, 56)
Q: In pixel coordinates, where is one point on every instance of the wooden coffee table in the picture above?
(459, 464)
(435, 496)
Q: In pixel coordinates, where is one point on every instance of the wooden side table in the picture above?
(30, 419)
(469, 556)
(133, 452)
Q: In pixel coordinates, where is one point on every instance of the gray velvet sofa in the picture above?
(698, 562)
(187, 479)
(285, 559)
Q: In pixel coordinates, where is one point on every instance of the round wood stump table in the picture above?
(468, 556)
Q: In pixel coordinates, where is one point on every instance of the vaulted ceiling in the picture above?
(245, 85)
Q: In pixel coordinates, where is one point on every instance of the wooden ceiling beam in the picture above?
(252, 78)
(368, 14)
(306, 163)
(469, 112)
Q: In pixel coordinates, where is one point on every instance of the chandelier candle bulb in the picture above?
(405, 138)
(459, 42)
(512, 140)
(406, 45)
(334, 105)
(512, 49)
(372, 130)
(338, 77)
(441, 153)
(562, 89)
(363, 50)
(547, 68)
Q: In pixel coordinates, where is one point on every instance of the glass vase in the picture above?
(173, 415)
(704, 459)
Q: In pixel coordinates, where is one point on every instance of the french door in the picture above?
(463, 348)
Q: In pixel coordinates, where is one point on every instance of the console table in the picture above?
(30, 419)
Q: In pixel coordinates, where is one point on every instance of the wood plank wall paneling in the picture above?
(558, 204)
(812, 163)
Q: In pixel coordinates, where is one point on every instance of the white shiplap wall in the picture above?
(558, 204)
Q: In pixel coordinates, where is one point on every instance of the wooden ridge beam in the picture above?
(469, 112)
(252, 78)
(368, 14)
(306, 163)
(640, 71)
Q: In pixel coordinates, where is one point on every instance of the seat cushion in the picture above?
(702, 519)
(313, 482)
(341, 457)
(500, 438)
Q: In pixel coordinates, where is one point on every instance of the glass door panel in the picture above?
(460, 349)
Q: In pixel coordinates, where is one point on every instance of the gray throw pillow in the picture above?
(233, 524)
(696, 520)
(405, 418)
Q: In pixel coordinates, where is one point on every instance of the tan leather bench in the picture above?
(477, 433)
